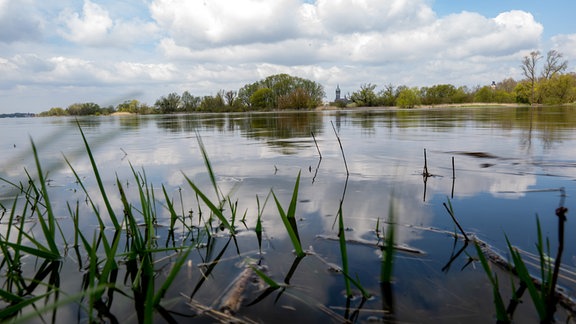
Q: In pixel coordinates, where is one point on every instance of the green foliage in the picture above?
(484, 94)
(55, 111)
(83, 109)
(296, 99)
(558, 89)
(408, 98)
(168, 104)
(438, 94)
(189, 102)
(522, 91)
(212, 103)
(134, 107)
(387, 96)
(365, 97)
(263, 98)
(246, 92)
(282, 91)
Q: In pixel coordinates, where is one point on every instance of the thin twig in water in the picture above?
(425, 172)
(315, 142)
(455, 220)
(341, 149)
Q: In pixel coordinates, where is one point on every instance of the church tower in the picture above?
(337, 93)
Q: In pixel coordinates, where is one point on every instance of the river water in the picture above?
(499, 168)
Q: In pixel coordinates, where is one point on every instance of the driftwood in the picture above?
(378, 244)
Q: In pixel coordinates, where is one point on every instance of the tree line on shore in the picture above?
(282, 91)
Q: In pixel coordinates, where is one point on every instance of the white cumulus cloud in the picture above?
(94, 26)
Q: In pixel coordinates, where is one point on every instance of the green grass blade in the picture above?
(524, 275)
(343, 251)
(81, 183)
(269, 281)
(40, 252)
(170, 206)
(289, 219)
(388, 251)
(213, 208)
(44, 190)
(171, 276)
(501, 314)
(48, 226)
(211, 173)
(111, 213)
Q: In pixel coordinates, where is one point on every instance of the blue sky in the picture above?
(556, 16)
(55, 53)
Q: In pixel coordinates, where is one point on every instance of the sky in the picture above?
(54, 53)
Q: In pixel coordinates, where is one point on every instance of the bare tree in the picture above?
(230, 97)
(529, 70)
(554, 64)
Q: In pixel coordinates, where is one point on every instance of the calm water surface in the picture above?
(509, 166)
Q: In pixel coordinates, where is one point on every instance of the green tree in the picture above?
(189, 102)
(559, 89)
(168, 104)
(263, 98)
(461, 95)
(246, 92)
(83, 109)
(281, 87)
(296, 99)
(438, 94)
(130, 106)
(213, 103)
(54, 111)
(365, 97)
(523, 92)
(408, 97)
(484, 94)
(387, 96)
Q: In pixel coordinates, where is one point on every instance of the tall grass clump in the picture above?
(542, 292)
(26, 295)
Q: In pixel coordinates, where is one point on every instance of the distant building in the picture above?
(339, 100)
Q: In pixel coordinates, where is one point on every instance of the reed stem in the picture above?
(341, 149)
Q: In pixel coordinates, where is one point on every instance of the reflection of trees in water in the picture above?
(547, 124)
(261, 126)
(283, 125)
(86, 122)
(133, 121)
(191, 123)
